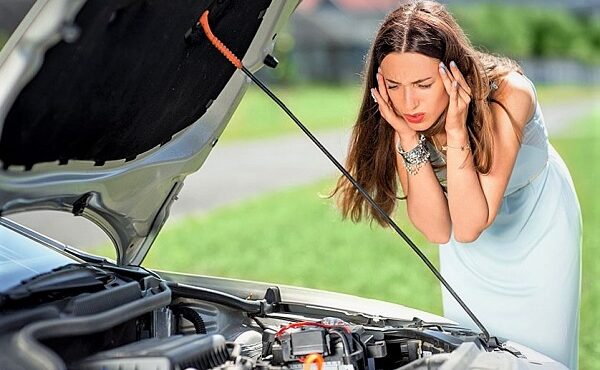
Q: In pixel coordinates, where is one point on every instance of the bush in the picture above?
(483, 24)
(526, 32)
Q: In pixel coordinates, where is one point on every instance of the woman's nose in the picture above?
(410, 99)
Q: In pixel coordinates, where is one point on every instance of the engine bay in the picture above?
(138, 320)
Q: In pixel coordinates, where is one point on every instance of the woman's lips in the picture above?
(415, 118)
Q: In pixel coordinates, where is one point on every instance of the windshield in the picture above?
(22, 257)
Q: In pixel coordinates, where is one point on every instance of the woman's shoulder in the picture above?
(515, 97)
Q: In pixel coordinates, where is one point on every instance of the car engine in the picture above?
(134, 319)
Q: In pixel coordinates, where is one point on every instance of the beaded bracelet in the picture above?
(415, 158)
(462, 148)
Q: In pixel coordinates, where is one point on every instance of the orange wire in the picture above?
(216, 42)
(315, 358)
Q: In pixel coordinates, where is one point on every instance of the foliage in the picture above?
(526, 32)
(286, 72)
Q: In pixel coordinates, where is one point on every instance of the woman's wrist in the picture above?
(457, 141)
(457, 137)
(416, 157)
(407, 141)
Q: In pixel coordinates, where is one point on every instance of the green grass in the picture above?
(323, 107)
(3, 38)
(557, 94)
(581, 153)
(319, 107)
(296, 237)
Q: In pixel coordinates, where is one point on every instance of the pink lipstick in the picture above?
(414, 118)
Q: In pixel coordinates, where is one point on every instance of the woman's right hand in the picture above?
(405, 134)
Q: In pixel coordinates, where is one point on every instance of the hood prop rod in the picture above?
(203, 22)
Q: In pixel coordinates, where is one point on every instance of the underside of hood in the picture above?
(106, 106)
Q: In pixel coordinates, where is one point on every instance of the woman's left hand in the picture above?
(460, 97)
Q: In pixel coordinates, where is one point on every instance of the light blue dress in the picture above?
(522, 276)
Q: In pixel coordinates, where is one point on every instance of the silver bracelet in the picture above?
(415, 158)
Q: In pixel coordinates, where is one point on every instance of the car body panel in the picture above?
(127, 198)
(349, 305)
(82, 81)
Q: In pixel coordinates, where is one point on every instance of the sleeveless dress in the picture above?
(521, 277)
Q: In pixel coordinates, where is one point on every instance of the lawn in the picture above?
(296, 237)
(322, 107)
(582, 154)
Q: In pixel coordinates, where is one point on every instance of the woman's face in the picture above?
(415, 88)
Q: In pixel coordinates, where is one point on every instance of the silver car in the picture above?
(105, 108)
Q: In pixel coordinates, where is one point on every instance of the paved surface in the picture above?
(235, 172)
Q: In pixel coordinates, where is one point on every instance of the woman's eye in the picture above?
(392, 86)
(425, 86)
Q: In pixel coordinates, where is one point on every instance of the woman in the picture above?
(462, 132)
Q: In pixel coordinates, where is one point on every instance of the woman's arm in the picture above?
(519, 98)
(474, 199)
(426, 204)
(425, 201)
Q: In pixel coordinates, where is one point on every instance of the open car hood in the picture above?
(106, 106)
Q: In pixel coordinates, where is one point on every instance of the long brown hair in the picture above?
(424, 27)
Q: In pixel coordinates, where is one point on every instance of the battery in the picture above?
(309, 341)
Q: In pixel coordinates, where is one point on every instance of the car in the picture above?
(105, 108)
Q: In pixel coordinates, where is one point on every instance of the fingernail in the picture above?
(452, 64)
(442, 69)
(454, 84)
(373, 96)
(442, 65)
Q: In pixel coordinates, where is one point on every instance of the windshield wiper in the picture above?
(65, 281)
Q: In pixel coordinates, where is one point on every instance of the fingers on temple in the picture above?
(446, 78)
(381, 87)
(458, 76)
(463, 95)
(454, 95)
(376, 96)
(454, 82)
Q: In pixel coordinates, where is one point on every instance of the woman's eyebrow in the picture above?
(414, 82)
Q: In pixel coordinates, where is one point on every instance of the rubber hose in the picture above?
(191, 315)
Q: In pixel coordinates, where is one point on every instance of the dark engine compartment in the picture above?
(139, 321)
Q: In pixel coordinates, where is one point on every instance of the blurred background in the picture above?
(555, 41)
(258, 208)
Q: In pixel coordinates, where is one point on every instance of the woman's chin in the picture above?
(420, 127)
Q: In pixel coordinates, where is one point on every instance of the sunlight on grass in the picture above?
(319, 107)
(323, 107)
(294, 237)
(582, 155)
